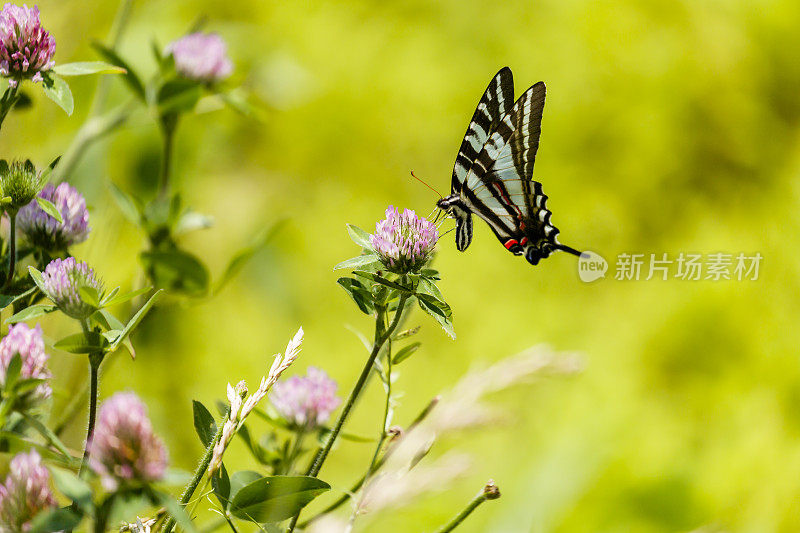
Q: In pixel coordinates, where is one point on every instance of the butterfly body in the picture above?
(492, 177)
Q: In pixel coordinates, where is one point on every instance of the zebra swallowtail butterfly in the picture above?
(492, 177)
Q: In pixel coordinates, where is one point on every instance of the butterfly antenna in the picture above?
(425, 184)
(567, 249)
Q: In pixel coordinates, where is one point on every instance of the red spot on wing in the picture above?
(510, 243)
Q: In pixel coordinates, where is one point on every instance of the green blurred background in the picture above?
(670, 126)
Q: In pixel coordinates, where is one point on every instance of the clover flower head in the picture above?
(26, 49)
(306, 400)
(44, 231)
(201, 57)
(25, 493)
(404, 241)
(63, 279)
(29, 344)
(124, 448)
(19, 181)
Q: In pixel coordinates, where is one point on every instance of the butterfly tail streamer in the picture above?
(568, 249)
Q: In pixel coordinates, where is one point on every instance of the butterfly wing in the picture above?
(492, 106)
(499, 186)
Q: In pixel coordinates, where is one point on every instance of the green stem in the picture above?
(168, 125)
(381, 337)
(358, 484)
(460, 517)
(199, 472)
(12, 247)
(296, 447)
(381, 437)
(94, 369)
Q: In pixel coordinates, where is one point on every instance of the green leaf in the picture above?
(439, 310)
(107, 321)
(58, 91)
(12, 372)
(111, 300)
(179, 95)
(83, 68)
(73, 488)
(360, 261)
(90, 296)
(407, 333)
(130, 76)
(405, 352)
(359, 236)
(275, 498)
(240, 259)
(53, 520)
(31, 312)
(360, 295)
(204, 423)
(90, 342)
(221, 484)
(428, 287)
(131, 325)
(37, 278)
(179, 270)
(127, 204)
(241, 479)
(377, 278)
(48, 207)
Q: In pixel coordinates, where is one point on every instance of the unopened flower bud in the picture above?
(394, 432)
(20, 182)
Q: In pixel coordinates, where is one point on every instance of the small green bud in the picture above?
(19, 183)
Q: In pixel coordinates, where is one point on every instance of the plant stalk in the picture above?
(381, 336)
(12, 247)
(460, 517)
(199, 472)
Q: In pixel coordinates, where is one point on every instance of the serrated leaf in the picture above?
(58, 91)
(31, 312)
(360, 295)
(131, 78)
(48, 207)
(91, 342)
(73, 488)
(204, 423)
(275, 498)
(405, 352)
(360, 261)
(84, 68)
(359, 236)
(439, 310)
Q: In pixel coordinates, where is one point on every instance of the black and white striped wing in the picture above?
(493, 105)
(498, 185)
